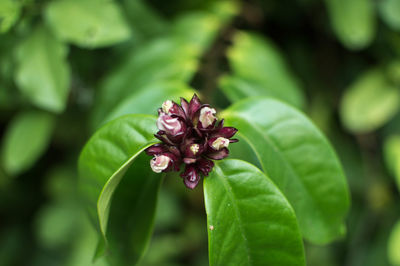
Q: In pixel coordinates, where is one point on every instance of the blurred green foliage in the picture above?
(68, 66)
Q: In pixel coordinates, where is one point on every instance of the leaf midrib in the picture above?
(284, 159)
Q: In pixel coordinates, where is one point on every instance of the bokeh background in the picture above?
(69, 66)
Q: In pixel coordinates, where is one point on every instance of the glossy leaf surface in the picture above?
(105, 160)
(87, 23)
(352, 21)
(300, 161)
(369, 102)
(249, 220)
(26, 138)
(256, 60)
(43, 72)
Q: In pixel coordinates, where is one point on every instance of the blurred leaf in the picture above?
(87, 23)
(84, 247)
(236, 89)
(143, 18)
(43, 73)
(171, 58)
(259, 70)
(104, 161)
(392, 156)
(394, 245)
(161, 60)
(369, 102)
(25, 140)
(56, 224)
(249, 220)
(9, 13)
(149, 98)
(353, 21)
(389, 11)
(301, 162)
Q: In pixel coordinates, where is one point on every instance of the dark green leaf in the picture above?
(369, 102)
(249, 220)
(299, 159)
(43, 73)
(25, 140)
(259, 70)
(87, 23)
(352, 21)
(105, 160)
(132, 213)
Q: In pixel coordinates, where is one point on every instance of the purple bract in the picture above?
(191, 135)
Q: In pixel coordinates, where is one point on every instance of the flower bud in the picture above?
(166, 106)
(160, 163)
(171, 125)
(220, 143)
(207, 117)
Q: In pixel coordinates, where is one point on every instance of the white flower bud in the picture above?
(207, 116)
(220, 143)
(166, 106)
(169, 124)
(159, 163)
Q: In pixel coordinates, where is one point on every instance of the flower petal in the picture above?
(205, 166)
(194, 105)
(156, 149)
(185, 107)
(190, 177)
(227, 132)
(219, 155)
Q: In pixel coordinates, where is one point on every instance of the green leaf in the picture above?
(394, 245)
(87, 23)
(132, 213)
(9, 13)
(249, 220)
(25, 140)
(369, 102)
(43, 73)
(236, 88)
(259, 70)
(392, 156)
(149, 98)
(389, 11)
(104, 161)
(300, 161)
(352, 21)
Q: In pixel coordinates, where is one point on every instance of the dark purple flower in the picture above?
(190, 134)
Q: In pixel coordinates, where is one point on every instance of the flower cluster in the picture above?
(190, 134)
